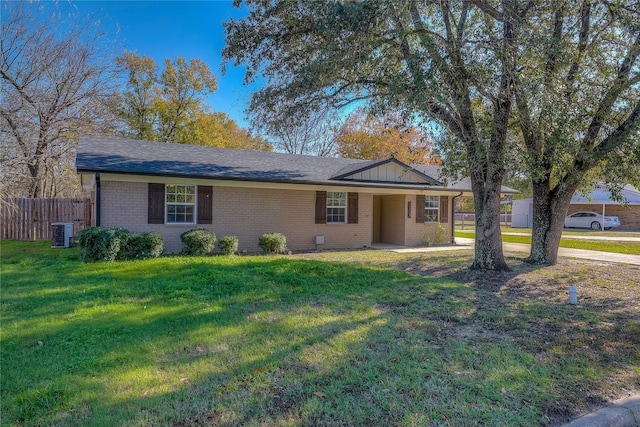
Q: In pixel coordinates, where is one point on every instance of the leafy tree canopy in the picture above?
(552, 86)
(430, 60)
(169, 106)
(577, 93)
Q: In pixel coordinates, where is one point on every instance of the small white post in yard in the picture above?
(603, 205)
(573, 295)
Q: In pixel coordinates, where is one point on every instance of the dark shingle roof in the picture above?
(119, 155)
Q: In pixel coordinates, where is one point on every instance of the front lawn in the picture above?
(344, 338)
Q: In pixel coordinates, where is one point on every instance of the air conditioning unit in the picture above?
(62, 234)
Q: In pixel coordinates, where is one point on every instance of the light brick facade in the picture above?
(249, 212)
(416, 232)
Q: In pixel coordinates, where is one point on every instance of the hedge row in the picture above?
(202, 242)
(116, 243)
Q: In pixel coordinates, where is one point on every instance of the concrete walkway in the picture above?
(623, 413)
(467, 243)
(564, 252)
(571, 236)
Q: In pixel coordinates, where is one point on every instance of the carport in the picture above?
(598, 200)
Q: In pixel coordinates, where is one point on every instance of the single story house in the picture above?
(598, 201)
(316, 202)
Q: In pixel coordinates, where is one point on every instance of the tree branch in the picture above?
(489, 10)
(583, 37)
(619, 84)
(620, 134)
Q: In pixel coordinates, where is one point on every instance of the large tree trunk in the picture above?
(549, 210)
(35, 185)
(488, 246)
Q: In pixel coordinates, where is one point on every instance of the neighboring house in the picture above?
(598, 201)
(316, 202)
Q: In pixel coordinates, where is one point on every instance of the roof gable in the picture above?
(388, 171)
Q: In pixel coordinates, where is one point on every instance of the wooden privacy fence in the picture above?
(30, 219)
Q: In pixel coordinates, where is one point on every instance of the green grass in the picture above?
(630, 248)
(262, 341)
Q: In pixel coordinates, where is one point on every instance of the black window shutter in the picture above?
(155, 212)
(352, 208)
(420, 199)
(444, 209)
(321, 207)
(205, 204)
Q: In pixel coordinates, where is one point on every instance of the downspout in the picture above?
(453, 218)
(97, 199)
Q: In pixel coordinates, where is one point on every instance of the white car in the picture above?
(590, 220)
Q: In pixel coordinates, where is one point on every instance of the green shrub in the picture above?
(273, 243)
(104, 244)
(198, 241)
(228, 245)
(145, 245)
(439, 236)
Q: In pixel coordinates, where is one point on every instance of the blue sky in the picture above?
(166, 29)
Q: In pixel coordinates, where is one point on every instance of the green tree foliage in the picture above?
(439, 61)
(138, 100)
(169, 106)
(577, 93)
(364, 136)
(219, 130)
(570, 68)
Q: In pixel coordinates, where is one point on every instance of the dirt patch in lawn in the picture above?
(529, 306)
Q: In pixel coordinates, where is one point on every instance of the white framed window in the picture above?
(180, 204)
(336, 207)
(431, 208)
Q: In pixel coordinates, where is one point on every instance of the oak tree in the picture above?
(577, 92)
(438, 61)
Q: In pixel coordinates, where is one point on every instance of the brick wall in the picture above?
(249, 212)
(416, 232)
(629, 217)
(243, 212)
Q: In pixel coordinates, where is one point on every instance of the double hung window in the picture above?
(431, 208)
(180, 204)
(336, 207)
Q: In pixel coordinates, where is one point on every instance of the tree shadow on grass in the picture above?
(275, 340)
(140, 314)
(594, 344)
